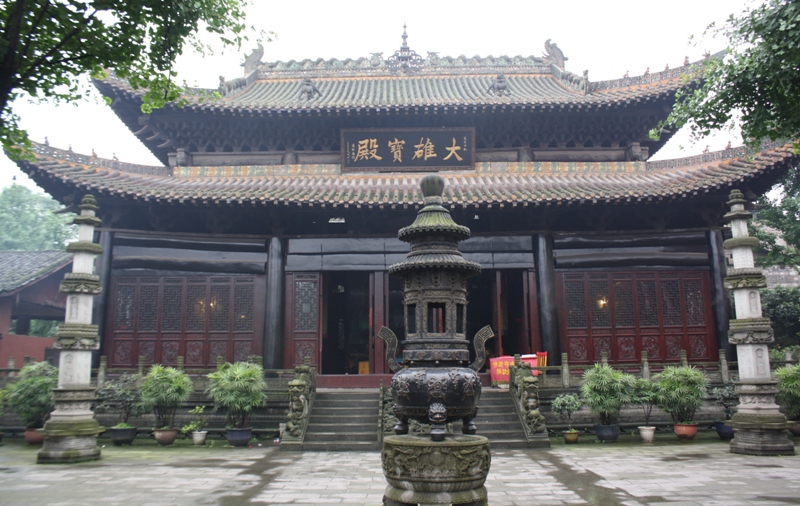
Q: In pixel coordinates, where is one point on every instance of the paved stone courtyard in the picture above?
(626, 472)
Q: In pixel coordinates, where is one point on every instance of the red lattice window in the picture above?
(199, 318)
(623, 314)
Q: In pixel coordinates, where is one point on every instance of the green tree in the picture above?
(757, 85)
(782, 306)
(778, 225)
(45, 45)
(27, 222)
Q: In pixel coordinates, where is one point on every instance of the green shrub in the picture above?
(782, 306)
(122, 395)
(237, 387)
(198, 424)
(681, 391)
(564, 406)
(31, 395)
(726, 398)
(163, 390)
(645, 394)
(605, 390)
(789, 390)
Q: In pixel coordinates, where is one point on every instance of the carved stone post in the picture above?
(759, 427)
(71, 433)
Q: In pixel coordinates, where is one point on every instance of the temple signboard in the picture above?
(409, 149)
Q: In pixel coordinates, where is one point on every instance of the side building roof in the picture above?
(22, 268)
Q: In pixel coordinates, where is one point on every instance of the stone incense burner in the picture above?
(436, 384)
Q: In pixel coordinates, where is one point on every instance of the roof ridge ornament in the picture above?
(405, 59)
(554, 54)
(499, 87)
(253, 61)
(308, 90)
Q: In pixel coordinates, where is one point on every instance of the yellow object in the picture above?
(363, 367)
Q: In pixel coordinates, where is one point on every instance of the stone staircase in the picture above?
(347, 420)
(343, 420)
(498, 420)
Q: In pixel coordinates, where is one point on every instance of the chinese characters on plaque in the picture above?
(409, 149)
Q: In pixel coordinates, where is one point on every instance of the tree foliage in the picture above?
(782, 306)
(757, 85)
(45, 45)
(27, 222)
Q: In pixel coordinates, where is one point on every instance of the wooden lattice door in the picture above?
(624, 313)
(303, 318)
(197, 317)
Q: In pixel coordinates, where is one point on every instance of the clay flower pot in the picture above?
(685, 431)
(571, 436)
(33, 438)
(166, 437)
(648, 434)
(795, 429)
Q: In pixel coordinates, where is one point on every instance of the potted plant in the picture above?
(31, 397)
(196, 426)
(645, 394)
(789, 394)
(727, 399)
(564, 406)
(121, 395)
(680, 393)
(237, 387)
(163, 390)
(605, 390)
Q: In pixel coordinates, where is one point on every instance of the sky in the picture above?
(606, 38)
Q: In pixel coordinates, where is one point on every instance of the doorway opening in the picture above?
(345, 334)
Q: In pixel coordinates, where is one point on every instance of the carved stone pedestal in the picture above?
(758, 427)
(421, 471)
(71, 433)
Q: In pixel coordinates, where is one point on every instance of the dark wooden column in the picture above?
(100, 308)
(719, 296)
(274, 313)
(23, 325)
(548, 306)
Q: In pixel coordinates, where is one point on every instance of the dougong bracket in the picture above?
(481, 337)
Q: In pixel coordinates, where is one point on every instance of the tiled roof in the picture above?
(523, 183)
(18, 268)
(531, 85)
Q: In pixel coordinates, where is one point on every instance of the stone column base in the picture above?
(70, 441)
(762, 435)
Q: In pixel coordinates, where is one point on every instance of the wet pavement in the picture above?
(626, 473)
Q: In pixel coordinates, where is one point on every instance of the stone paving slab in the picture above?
(626, 473)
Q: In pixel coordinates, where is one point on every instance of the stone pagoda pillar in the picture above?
(71, 433)
(759, 427)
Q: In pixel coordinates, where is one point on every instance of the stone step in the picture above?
(331, 446)
(315, 426)
(344, 413)
(331, 404)
(365, 436)
(344, 410)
